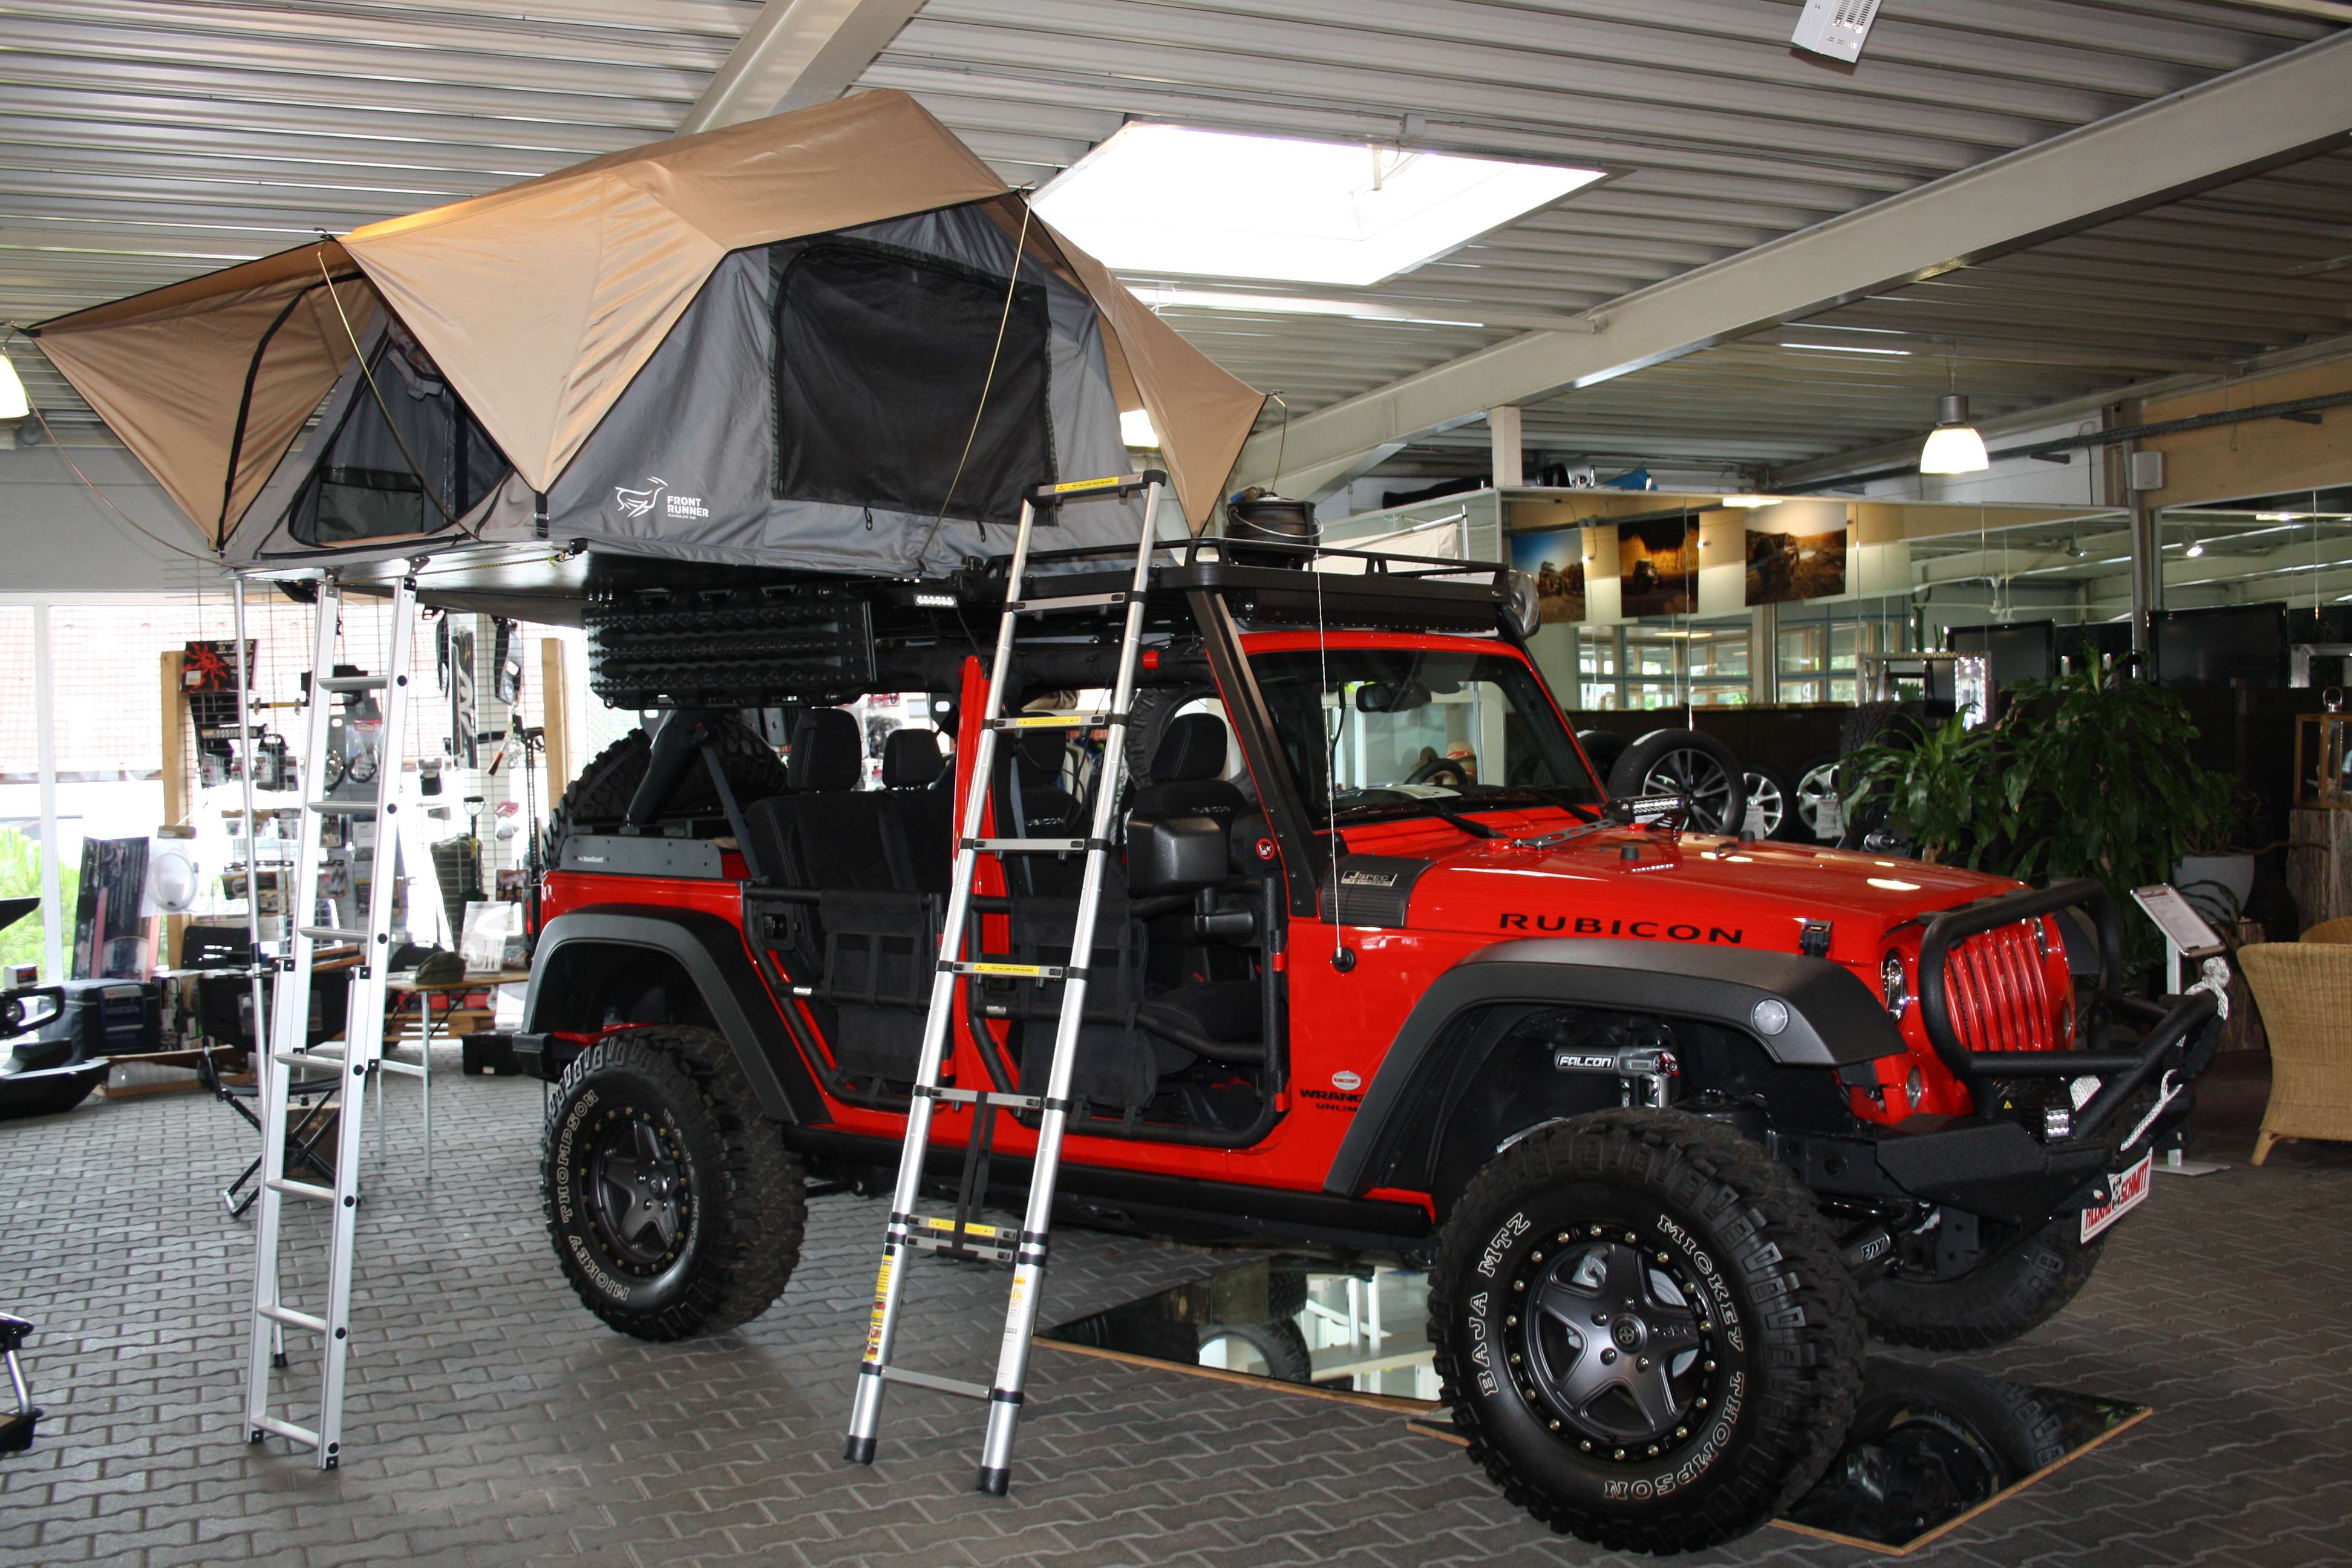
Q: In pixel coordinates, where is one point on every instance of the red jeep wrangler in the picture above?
(1674, 1119)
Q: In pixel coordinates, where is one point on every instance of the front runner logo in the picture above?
(635, 504)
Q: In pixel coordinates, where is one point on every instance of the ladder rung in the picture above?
(1115, 484)
(1065, 602)
(351, 683)
(1056, 721)
(1025, 846)
(312, 1059)
(1011, 971)
(293, 1319)
(987, 1251)
(938, 1385)
(294, 1189)
(286, 1429)
(342, 808)
(987, 1097)
(332, 933)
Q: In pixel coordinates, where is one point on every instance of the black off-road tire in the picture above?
(676, 1103)
(1279, 1342)
(2009, 1295)
(608, 783)
(1767, 1331)
(1602, 749)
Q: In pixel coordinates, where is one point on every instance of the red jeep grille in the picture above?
(2000, 992)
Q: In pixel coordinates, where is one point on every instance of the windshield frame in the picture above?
(1500, 798)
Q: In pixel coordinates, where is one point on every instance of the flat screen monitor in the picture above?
(2222, 645)
(2017, 651)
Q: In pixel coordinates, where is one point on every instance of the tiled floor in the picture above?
(492, 1421)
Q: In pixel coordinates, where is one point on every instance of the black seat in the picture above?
(1187, 773)
(1029, 803)
(918, 804)
(826, 834)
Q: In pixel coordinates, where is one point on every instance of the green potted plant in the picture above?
(2091, 775)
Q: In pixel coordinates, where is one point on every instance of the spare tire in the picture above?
(1683, 762)
(600, 796)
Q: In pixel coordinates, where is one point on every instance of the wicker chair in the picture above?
(2338, 930)
(2305, 992)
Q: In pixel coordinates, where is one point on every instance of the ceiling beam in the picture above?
(2276, 112)
(796, 53)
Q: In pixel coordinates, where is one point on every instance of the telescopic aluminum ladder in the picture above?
(907, 1232)
(290, 1063)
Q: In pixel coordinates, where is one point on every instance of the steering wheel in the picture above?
(1458, 777)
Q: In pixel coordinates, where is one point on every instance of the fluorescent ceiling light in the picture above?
(1216, 203)
(1848, 349)
(1292, 305)
(1135, 428)
(1751, 500)
(14, 403)
(1953, 446)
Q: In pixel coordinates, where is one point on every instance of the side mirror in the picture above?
(1175, 855)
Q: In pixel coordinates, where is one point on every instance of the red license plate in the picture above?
(2126, 1191)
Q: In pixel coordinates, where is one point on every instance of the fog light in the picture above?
(1771, 1015)
(2057, 1121)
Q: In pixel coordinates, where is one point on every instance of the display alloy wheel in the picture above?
(674, 1208)
(1770, 802)
(1646, 1329)
(1817, 804)
(1683, 762)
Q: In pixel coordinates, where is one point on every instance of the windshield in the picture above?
(1398, 732)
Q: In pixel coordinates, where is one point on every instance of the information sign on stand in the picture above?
(2186, 935)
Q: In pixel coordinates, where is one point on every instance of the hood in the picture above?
(1635, 882)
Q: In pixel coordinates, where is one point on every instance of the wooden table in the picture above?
(405, 985)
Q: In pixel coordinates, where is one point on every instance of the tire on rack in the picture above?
(1773, 798)
(608, 783)
(1646, 1329)
(1816, 785)
(673, 1205)
(2016, 1290)
(1676, 762)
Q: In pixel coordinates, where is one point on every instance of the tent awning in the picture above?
(541, 302)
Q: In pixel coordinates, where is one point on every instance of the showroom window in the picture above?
(1622, 668)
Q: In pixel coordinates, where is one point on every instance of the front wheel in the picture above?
(673, 1205)
(1645, 1331)
(2016, 1290)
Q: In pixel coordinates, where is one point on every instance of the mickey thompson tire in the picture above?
(1729, 1356)
(2015, 1292)
(674, 1207)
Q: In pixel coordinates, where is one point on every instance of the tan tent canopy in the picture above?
(542, 303)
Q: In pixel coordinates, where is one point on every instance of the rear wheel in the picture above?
(2016, 1290)
(673, 1205)
(1644, 1327)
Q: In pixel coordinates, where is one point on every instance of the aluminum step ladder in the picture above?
(290, 1062)
(909, 1232)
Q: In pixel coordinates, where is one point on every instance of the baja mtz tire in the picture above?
(2016, 1290)
(1644, 1327)
(674, 1208)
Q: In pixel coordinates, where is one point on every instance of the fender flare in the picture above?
(1835, 1021)
(711, 953)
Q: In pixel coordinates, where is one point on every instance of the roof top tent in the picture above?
(804, 342)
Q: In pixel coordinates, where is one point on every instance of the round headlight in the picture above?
(1523, 611)
(1891, 986)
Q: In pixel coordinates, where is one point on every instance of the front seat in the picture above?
(1187, 773)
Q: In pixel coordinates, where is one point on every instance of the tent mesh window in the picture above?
(365, 486)
(882, 355)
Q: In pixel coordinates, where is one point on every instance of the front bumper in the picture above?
(1998, 1167)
